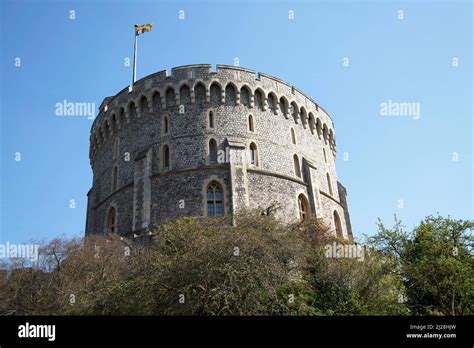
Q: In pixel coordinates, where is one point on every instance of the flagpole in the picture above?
(135, 59)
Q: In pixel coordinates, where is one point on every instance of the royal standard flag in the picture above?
(140, 29)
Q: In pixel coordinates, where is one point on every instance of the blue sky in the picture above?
(391, 158)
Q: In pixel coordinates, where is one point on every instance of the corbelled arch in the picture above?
(184, 93)
(200, 93)
(319, 128)
(216, 92)
(294, 110)
(304, 116)
(260, 99)
(231, 94)
(311, 122)
(246, 96)
(130, 111)
(272, 102)
(171, 98)
(284, 106)
(143, 105)
(325, 133)
(156, 99)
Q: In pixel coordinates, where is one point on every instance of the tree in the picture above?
(435, 262)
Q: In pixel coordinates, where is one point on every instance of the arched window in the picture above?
(253, 154)
(112, 221)
(212, 151)
(293, 136)
(329, 184)
(303, 207)
(215, 204)
(115, 178)
(337, 224)
(166, 157)
(210, 119)
(296, 164)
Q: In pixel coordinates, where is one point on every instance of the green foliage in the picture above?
(435, 262)
(195, 266)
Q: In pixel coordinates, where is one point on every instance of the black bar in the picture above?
(241, 330)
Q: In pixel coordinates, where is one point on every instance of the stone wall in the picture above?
(130, 134)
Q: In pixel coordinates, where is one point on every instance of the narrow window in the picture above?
(111, 221)
(166, 157)
(293, 136)
(212, 151)
(324, 153)
(296, 164)
(165, 125)
(303, 207)
(337, 224)
(329, 184)
(214, 200)
(251, 126)
(211, 119)
(253, 154)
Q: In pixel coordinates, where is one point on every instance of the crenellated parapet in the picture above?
(198, 85)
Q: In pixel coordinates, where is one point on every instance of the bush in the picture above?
(258, 267)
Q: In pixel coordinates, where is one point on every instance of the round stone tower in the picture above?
(206, 143)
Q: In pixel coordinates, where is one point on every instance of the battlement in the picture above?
(204, 71)
(252, 89)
